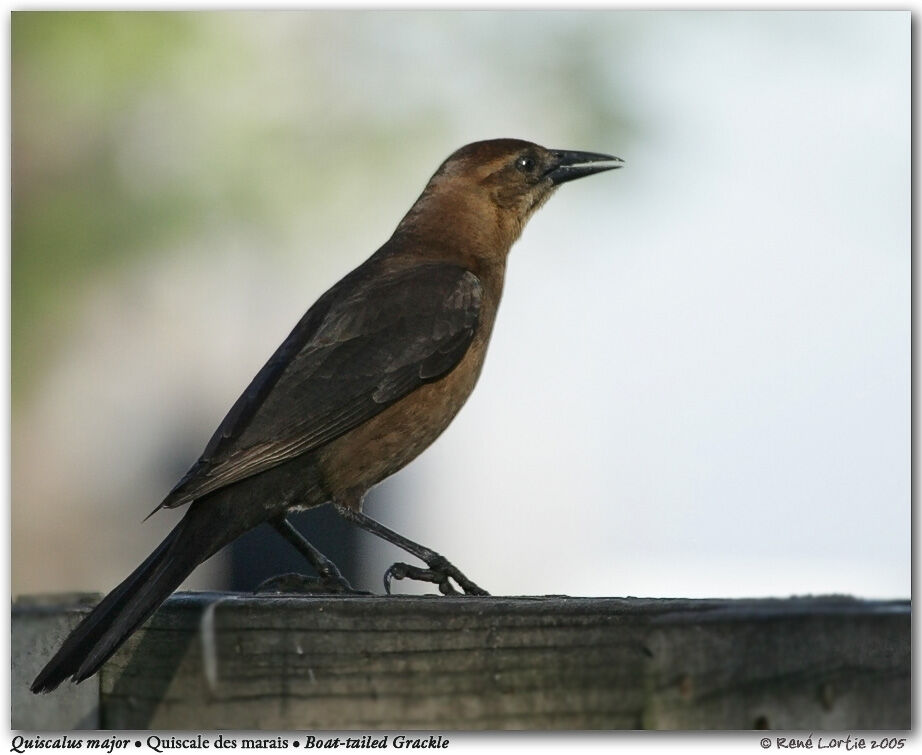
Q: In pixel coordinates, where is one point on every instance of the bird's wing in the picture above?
(367, 343)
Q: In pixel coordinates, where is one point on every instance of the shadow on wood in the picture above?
(140, 684)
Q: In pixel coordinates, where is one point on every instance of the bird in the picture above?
(368, 378)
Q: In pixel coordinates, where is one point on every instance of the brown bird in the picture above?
(370, 376)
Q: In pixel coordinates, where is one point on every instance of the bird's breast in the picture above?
(381, 446)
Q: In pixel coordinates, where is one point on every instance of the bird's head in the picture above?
(503, 181)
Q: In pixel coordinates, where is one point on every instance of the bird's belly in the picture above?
(367, 454)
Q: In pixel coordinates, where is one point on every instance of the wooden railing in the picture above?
(235, 661)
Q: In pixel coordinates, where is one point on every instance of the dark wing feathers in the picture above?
(367, 343)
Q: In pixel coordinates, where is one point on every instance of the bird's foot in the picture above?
(307, 585)
(440, 572)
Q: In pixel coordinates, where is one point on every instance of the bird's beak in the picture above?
(567, 165)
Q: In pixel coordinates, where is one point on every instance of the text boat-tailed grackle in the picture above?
(368, 378)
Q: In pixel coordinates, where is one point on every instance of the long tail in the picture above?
(129, 605)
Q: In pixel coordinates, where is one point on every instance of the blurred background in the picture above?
(728, 410)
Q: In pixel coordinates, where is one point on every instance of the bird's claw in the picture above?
(405, 571)
(440, 572)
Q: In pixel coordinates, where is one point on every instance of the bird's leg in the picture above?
(440, 570)
(331, 580)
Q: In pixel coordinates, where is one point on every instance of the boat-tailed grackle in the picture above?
(369, 377)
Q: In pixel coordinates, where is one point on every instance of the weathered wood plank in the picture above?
(39, 626)
(209, 660)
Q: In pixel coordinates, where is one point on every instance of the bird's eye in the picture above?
(526, 164)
